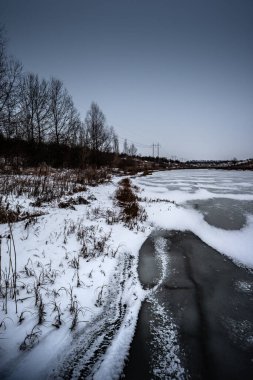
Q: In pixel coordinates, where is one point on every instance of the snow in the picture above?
(163, 259)
(165, 360)
(105, 288)
(235, 244)
(165, 357)
(47, 253)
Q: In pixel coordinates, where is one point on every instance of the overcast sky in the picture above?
(174, 72)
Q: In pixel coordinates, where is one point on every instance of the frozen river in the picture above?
(216, 205)
(196, 321)
(193, 181)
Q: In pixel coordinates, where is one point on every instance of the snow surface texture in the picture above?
(85, 271)
(165, 361)
(203, 184)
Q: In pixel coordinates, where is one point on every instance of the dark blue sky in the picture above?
(177, 72)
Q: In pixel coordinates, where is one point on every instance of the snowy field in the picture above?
(78, 293)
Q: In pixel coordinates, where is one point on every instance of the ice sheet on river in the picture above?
(218, 208)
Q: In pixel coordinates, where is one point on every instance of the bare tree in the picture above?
(75, 127)
(28, 93)
(98, 136)
(10, 75)
(34, 107)
(82, 135)
(3, 71)
(132, 150)
(115, 141)
(125, 147)
(41, 109)
(61, 112)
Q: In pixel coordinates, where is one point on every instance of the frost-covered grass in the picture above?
(75, 279)
(69, 263)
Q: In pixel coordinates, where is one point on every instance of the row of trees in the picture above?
(42, 111)
(129, 150)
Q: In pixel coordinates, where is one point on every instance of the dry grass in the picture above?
(43, 187)
(125, 195)
(131, 211)
(8, 216)
(53, 184)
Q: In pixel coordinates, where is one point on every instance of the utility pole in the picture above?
(158, 146)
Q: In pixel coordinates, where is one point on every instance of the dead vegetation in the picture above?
(43, 187)
(128, 210)
(52, 185)
(37, 280)
(8, 215)
(94, 241)
(31, 339)
(71, 202)
(156, 200)
(131, 211)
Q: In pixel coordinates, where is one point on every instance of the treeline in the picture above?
(40, 115)
(17, 153)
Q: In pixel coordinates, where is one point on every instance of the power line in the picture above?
(135, 142)
(155, 148)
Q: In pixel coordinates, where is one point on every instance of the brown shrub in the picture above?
(125, 182)
(125, 195)
(7, 216)
(131, 211)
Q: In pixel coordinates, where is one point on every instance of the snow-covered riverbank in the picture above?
(78, 290)
(75, 271)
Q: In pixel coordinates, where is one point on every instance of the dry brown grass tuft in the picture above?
(131, 211)
(125, 195)
(8, 216)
